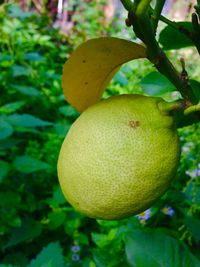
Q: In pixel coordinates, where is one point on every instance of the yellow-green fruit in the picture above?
(119, 157)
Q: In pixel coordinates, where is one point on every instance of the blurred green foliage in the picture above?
(37, 226)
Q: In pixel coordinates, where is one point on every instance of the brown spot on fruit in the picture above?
(84, 61)
(134, 124)
(86, 83)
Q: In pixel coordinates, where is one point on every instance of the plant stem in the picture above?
(196, 27)
(128, 4)
(172, 106)
(157, 12)
(155, 53)
(192, 109)
(145, 26)
(197, 8)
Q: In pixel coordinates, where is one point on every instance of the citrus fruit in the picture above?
(119, 157)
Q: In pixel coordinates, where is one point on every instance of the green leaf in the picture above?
(6, 129)
(57, 199)
(4, 169)
(56, 219)
(18, 70)
(197, 196)
(171, 38)
(27, 164)
(34, 57)
(28, 230)
(26, 90)
(6, 265)
(27, 120)
(8, 143)
(9, 199)
(155, 84)
(50, 256)
(68, 111)
(155, 248)
(11, 107)
(121, 79)
(195, 88)
(15, 11)
(16, 259)
(6, 60)
(193, 225)
(82, 238)
(62, 128)
(102, 240)
(100, 258)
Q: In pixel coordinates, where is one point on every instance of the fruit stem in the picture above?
(172, 106)
(167, 107)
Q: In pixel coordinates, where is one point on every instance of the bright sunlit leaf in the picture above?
(91, 67)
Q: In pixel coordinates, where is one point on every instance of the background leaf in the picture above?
(28, 230)
(28, 164)
(194, 225)
(26, 90)
(155, 84)
(155, 248)
(4, 169)
(27, 120)
(50, 256)
(18, 71)
(11, 107)
(6, 129)
(171, 38)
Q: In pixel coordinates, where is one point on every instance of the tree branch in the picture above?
(143, 28)
(157, 12)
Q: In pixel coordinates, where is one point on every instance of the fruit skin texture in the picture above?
(119, 157)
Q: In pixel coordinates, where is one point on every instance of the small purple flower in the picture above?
(75, 257)
(75, 248)
(144, 216)
(194, 173)
(168, 211)
(185, 149)
(190, 144)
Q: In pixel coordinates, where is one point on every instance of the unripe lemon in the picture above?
(119, 157)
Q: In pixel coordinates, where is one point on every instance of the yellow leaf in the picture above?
(92, 65)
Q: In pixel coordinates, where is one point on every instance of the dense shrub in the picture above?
(37, 226)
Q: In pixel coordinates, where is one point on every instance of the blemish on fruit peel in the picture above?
(134, 124)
